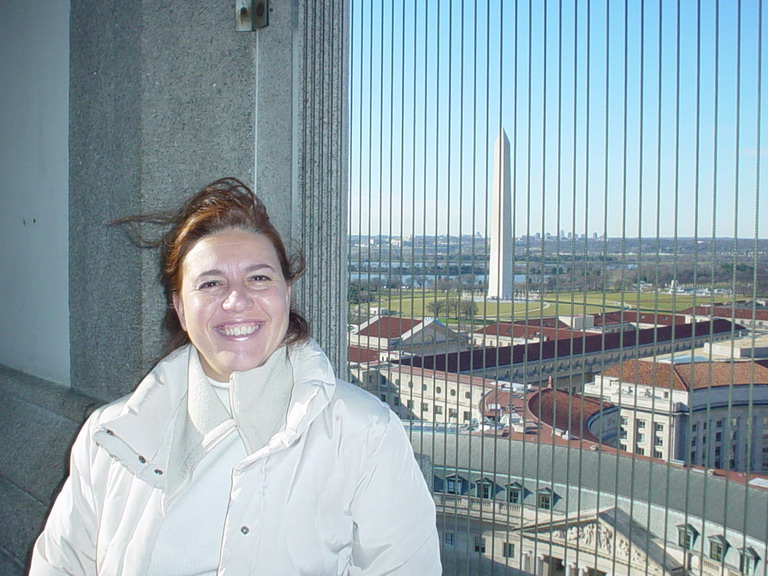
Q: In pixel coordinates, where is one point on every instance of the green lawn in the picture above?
(414, 304)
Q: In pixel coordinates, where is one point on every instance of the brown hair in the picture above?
(222, 205)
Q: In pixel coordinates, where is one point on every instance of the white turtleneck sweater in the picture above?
(189, 542)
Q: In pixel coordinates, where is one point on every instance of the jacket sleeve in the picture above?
(67, 544)
(395, 528)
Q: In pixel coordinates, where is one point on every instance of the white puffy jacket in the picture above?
(338, 491)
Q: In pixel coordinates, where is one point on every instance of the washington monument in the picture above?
(501, 267)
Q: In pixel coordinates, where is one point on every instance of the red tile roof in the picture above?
(560, 410)
(358, 355)
(389, 327)
(622, 316)
(728, 312)
(522, 330)
(687, 377)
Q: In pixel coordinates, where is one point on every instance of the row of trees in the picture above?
(747, 279)
(453, 308)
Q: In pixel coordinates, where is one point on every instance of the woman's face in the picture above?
(234, 301)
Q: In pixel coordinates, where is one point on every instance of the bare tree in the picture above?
(437, 307)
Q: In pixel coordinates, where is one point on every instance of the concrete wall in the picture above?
(34, 165)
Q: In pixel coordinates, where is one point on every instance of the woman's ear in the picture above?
(178, 305)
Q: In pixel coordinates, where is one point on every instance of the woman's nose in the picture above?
(238, 300)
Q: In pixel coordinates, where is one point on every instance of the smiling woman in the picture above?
(240, 452)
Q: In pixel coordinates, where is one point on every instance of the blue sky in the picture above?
(626, 118)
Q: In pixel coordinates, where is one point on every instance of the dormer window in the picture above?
(515, 493)
(544, 498)
(718, 546)
(686, 536)
(484, 488)
(454, 484)
(748, 560)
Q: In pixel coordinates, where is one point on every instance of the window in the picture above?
(438, 390)
(453, 413)
(748, 561)
(658, 454)
(484, 489)
(658, 427)
(480, 544)
(453, 392)
(454, 485)
(396, 400)
(424, 407)
(717, 548)
(514, 494)
(410, 404)
(640, 424)
(639, 450)
(449, 538)
(508, 550)
(640, 437)
(658, 441)
(686, 536)
(468, 395)
(438, 409)
(467, 416)
(544, 499)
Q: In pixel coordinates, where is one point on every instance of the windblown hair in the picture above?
(222, 205)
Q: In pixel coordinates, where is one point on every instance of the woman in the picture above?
(240, 452)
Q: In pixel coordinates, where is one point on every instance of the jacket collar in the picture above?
(174, 417)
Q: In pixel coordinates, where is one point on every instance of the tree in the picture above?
(437, 307)
(468, 309)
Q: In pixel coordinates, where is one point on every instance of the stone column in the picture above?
(539, 571)
(570, 569)
(527, 564)
(166, 97)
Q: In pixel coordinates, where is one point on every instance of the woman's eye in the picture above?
(259, 278)
(209, 284)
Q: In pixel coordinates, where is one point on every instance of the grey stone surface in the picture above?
(9, 566)
(21, 519)
(38, 421)
(35, 443)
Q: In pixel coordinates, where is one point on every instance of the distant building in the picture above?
(522, 513)
(394, 336)
(425, 395)
(751, 319)
(514, 333)
(706, 413)
(575, 355)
